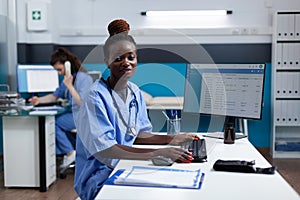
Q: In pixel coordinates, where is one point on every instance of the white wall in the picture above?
(85, 21)
(8, 47)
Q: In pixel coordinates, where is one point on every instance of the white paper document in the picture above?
(43, 112)
(161, 177)
(48, 108)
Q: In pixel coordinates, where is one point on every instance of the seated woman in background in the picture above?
(73, 88)
(114, 116)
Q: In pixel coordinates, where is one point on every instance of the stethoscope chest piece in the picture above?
(133, 131)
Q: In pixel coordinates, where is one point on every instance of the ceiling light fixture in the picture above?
(186, 13)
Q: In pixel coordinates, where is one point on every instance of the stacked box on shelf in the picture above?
(285, 139)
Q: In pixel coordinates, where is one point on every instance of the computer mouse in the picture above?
(162, 161)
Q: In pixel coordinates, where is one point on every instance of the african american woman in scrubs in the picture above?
(114, 117)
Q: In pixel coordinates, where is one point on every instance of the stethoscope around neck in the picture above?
(131, 129)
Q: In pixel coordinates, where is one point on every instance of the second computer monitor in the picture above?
(37, 78)
(231, 90)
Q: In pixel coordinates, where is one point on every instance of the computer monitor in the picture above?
(37, 78)
(230, 90)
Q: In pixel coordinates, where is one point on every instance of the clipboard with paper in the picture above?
(157, 177)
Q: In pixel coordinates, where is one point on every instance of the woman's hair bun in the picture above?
(118, 26)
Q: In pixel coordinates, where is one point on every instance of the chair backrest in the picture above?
(6, 86)
(95, 74)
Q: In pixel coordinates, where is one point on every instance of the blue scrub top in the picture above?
(61, 92)
(100, 127)
(82, 83)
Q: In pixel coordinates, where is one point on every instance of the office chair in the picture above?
(95, 75)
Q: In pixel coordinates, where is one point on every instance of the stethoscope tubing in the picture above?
(132, 103)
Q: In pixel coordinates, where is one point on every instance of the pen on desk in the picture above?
(201, 180)
(165, 114)
(171, 114)
(175, 115)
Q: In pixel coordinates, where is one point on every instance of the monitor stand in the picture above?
(229, 122)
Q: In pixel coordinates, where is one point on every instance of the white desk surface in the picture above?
(216, 185)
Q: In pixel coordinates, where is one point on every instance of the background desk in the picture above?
(217, 185)
(29, 150)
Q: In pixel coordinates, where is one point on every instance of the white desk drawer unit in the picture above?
(50, 152)
(29, 151)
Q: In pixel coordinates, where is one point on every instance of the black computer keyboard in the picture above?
(47, 104)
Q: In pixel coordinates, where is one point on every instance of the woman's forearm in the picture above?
(150, 138)
(127, 152)
(75, 95)
(47, 98)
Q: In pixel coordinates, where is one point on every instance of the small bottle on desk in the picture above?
(229, 133)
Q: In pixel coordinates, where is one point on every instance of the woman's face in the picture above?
(122, 60)
(60, 68)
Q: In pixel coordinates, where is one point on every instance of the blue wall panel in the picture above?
(260, 130)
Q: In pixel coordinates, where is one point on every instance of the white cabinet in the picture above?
(29, 151)
(285, 139)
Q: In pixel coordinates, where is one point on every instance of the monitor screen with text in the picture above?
(234, 90)
(37, 78)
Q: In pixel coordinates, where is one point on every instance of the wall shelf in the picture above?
(285, 138)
